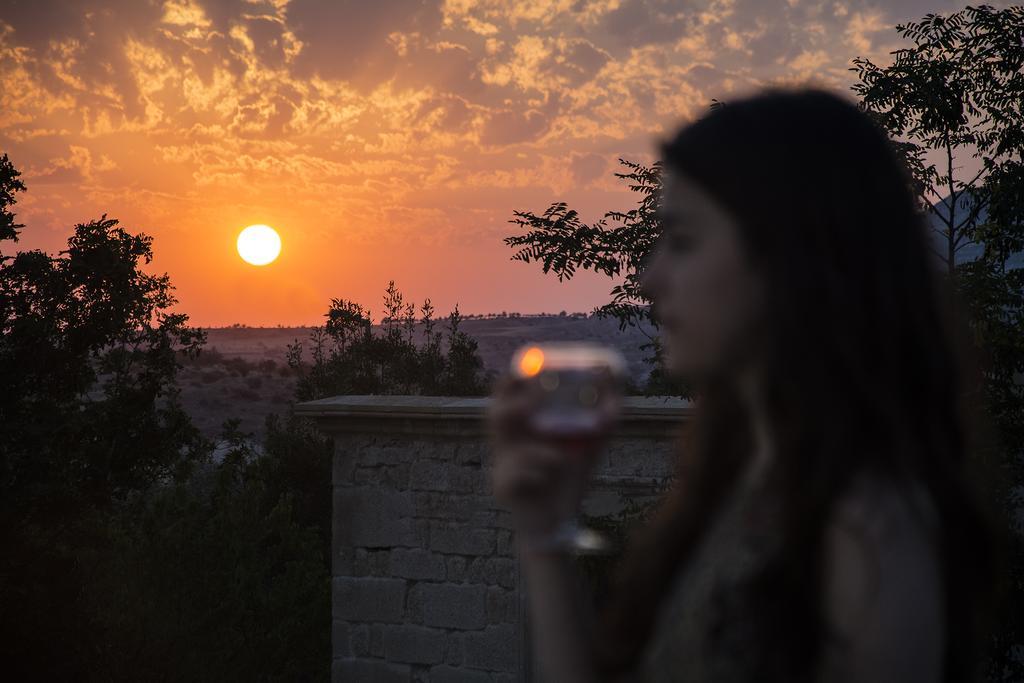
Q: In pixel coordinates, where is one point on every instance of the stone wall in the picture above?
(425, 578)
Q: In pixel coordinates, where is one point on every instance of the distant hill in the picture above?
(242, 372)
(498, 337)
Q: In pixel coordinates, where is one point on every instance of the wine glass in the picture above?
(579, 389)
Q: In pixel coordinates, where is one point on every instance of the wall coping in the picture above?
(416, 413)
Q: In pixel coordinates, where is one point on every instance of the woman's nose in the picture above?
(647, 277)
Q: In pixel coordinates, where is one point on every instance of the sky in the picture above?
(384, 139)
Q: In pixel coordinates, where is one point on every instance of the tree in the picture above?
(9, 184)
(129, 553)
(348, 357)
(224, 576)
(90, 421)
(957, 92)
(616, 245)
(562, 243)
(464, 366)
(431, 359)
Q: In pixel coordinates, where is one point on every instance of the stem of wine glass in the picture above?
(586, 541)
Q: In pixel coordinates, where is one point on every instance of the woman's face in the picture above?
(705, 293)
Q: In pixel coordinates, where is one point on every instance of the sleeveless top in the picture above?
(702, 634)
(699, 635)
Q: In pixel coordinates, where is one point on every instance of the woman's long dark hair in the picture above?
(862, 366)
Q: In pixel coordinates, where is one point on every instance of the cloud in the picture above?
(78, 165)
(642, 22)
(447, 67)
(489, 16)
(271, 42)
(351, 40)
(331, 109)
(509, 127)
(808, 62)
(864, 27)
(79, 46)
(587, 167)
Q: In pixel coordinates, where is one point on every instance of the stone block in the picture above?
(341, 633)
(477, 570)
(491, 571)
(359, 641)
(397, 476)
(429, 475)
(503, 520)
(501, 606)
(377, 640)
(416, 564)
(453, 648)
(349, 670)
(344, 560)
(505, 571)
(372, 517)
(391, 476)
(451, 605)
(421, 533)
(602, 503)
(370, 562)
(466, 479)
(368, 599)
(414, 644)
(461, 540)
(414, 605)
(483, 518)
(368, 476)
(495, 649)
(343, 466)
(638, 459)
(449, 674)
(470, 453)
(371, 455)
(444, 506)
(455, 568)
(506, 547)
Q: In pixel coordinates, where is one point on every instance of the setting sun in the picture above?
(259, 245)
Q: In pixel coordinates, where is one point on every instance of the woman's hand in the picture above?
(542, 486)
(540, 483)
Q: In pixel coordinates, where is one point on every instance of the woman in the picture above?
(820, 528)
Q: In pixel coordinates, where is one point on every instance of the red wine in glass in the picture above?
(579, 391)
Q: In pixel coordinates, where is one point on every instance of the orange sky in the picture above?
(383, 140)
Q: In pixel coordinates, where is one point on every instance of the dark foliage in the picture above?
(616, 245)
(349, 357)
(958, 90)
(131, 549)
(222, 577)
